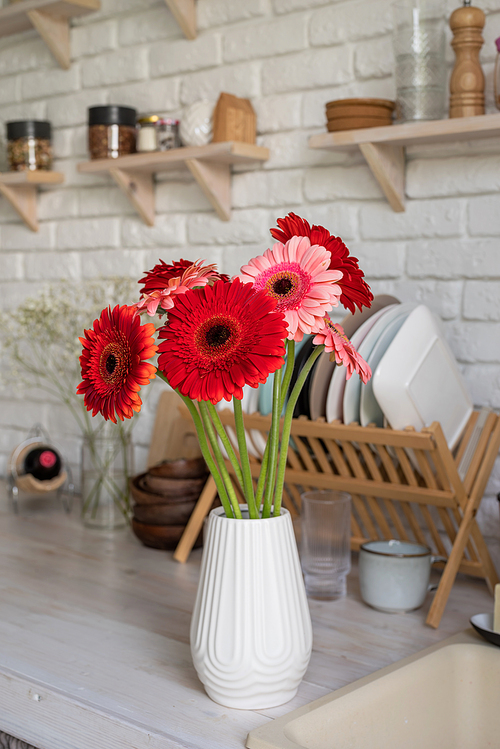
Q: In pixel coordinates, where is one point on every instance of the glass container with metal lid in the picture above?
(29, 145)
(112, 131)
(147, 133)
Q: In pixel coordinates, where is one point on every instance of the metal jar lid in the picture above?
(112, 114)
(29, 129)
(151, 120)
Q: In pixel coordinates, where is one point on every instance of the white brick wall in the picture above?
(289, 57)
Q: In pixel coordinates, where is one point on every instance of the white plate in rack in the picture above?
(418, 380)
(335, 396)
(352, 392)
(369, 409)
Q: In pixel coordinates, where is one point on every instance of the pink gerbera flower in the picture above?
(192, 277)
(296, 275)
(336, 342)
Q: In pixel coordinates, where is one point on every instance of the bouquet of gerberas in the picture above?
(220, 334)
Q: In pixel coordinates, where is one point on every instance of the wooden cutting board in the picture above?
(173, 436)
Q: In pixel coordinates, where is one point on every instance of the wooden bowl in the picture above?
(362, 106)
(184, 468)
(161, 536)
(356, 123)
(353, 114)
(177, 513)
(172, 487)
(341, 114)
(144, 496)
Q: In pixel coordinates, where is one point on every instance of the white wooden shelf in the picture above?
(210, 166)
(383, 147)
(184, 12)
(20, 189)
(50, 18)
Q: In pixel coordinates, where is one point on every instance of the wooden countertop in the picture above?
(94, 640)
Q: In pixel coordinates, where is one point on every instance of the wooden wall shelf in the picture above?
(184, 12)
(50, 18)
(20, 190)
(210, 166)
(383, 147)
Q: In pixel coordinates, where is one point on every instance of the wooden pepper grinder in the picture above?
(467, 79)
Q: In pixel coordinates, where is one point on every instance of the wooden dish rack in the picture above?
(404, 484)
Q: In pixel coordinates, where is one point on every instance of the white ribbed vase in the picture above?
(251, 634)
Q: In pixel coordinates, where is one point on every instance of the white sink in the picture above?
(445, 697)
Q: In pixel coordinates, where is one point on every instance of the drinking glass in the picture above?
(325, 543)
(419, 51)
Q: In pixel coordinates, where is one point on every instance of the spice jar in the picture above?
(168, 134)
(112, 131)
(147, 139)
(29, 145)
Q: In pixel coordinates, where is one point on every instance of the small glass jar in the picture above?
(112, 131)
(147, 136)
(29, 145)
(168, 134)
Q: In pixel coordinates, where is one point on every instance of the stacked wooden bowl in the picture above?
(351, 114)
(164, 498)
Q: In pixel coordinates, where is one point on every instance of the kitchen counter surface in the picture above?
(94, 639)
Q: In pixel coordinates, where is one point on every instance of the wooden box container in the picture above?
(234, 119)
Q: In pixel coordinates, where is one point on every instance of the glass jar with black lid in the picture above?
(112, 131)
(29, 145)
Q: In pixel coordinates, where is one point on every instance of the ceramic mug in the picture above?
(394, 575)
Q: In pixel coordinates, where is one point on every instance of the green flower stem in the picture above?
(213, 468)
(287, 426)
(245, 462)
(290, 363)
(226, 478)
(219, 428)
(273, 440)
(259, 493)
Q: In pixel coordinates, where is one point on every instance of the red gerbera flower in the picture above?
(113, 363)
(220, 338)
(355, 290)
(158, 278)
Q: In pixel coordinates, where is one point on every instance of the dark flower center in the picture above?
(114, 362)
(282, 286)
(217, 335)
(217, 338)
(111, 364)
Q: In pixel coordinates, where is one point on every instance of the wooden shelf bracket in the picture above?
(387, 164)
(139, 189)
(54, 31)
(20, 189)
(50, 18)
(215, 181)
(184, 12)
(23, 199)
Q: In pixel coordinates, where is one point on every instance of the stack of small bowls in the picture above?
(351, 114)
(164, 498)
